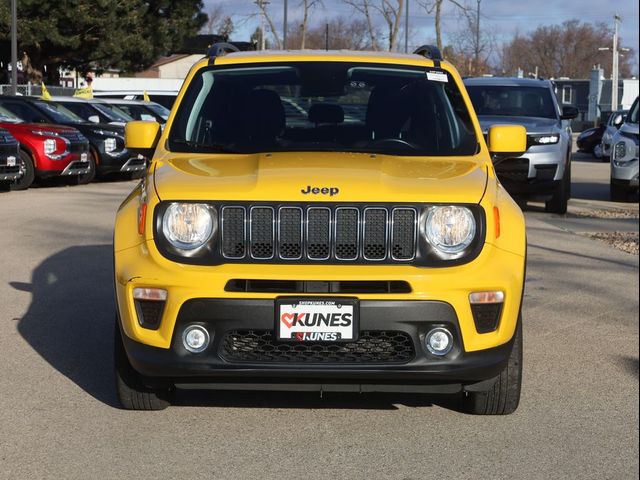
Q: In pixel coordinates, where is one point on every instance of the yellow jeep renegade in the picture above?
(324, 221)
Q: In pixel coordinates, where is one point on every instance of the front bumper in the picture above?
(422, 372)
(536, 172)
(627, 173)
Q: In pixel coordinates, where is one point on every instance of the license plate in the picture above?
(11, 161)
(316, 319)
(84, 157)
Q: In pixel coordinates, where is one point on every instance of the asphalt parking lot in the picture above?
(59, 419)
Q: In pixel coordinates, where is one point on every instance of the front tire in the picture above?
(131, 391)
(617, 192)
(28, 172)
(504, 396)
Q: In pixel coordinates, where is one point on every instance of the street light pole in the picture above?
(406, 29)
(14, 47)
(284, 32)
(614, 68)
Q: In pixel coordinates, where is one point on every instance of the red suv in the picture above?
(46, 150)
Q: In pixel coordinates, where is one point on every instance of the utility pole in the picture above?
(477, 42)
(406, 29)
(615, 50)
(285, 26)
(614, 68)
(14, 47)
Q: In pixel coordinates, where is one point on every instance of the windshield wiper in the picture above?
(207, 147)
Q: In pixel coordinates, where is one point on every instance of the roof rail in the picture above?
(429, 51)
(221, 49)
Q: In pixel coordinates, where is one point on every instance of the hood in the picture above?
(107, 127)
(29, 127)
(629, 128)
(319, 177)
(532, 124)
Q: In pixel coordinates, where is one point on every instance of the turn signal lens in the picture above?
(486, 297)
(157, 294)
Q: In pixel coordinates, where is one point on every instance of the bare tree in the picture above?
(365, 8)
(391, 11)
(343, 34)
(264, 11)
(307, 6)
(566, 50)
(471, 48)
(435, 7)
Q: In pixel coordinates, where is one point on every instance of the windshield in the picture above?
(512, 101)
(112, 112)
(59, 113)
(159, 110)
(633, 113)
(322, 106)
(7, 116)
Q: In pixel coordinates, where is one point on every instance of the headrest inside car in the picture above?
(326, 113)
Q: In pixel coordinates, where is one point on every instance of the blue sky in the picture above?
(503, 17)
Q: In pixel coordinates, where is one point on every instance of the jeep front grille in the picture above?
(316, 233)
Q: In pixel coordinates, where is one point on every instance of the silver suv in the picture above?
(543, 172)
(624, 157)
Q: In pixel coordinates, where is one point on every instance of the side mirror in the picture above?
(94, 119)
(569, 113)
(142, 137)
(506, 141)
(618, 121)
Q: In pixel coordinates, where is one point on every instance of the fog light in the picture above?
(439, 341)
(195, 338)
(157, 294)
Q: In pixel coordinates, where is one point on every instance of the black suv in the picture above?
(107, 151)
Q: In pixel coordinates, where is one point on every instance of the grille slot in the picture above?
(233, 228)
(260, 346)
(347, 233)
(316, 233)
(403, 233)
(375, 234)
(290, 233)
(262, 232)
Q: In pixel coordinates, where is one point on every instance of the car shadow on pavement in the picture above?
(70, 320)
(70, 324)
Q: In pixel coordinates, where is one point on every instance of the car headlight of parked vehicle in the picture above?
(110, 141)
(188, 226)
(55, 147)
(450, 230)
(624, 152)
(546, 139)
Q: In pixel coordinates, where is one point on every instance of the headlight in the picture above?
(544, 139)
(110, 144)
(187, 226)
(450, 229)
(619, 150)
(49, 146)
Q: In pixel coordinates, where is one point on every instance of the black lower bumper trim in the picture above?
(415, 318)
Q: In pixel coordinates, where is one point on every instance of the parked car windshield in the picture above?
(59, 113)
(633, 113)
(159, 110)
(512, 101)
(9, 117)
(112, 112)
(323, 106)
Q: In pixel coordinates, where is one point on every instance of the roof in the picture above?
(507, 82)
(123, 101)
(323, 56)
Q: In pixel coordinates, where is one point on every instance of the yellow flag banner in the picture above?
(45, 93)
(86, 92)
(145, 96)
